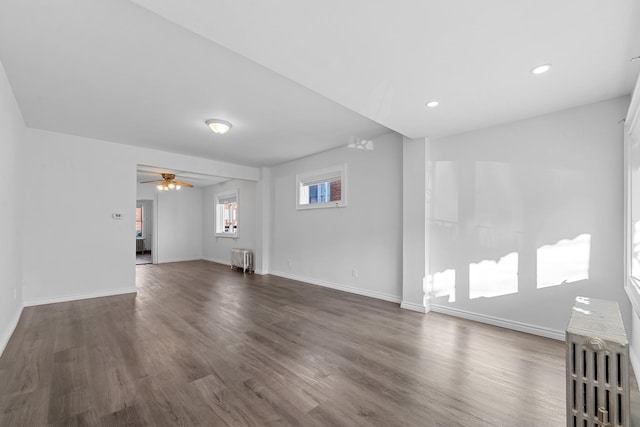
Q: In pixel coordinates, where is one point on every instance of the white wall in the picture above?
(414, 224)
(218, 249)
(263, 213)
(324, 245)
(503, 196)
(146, 191)
(179, 230)
(12, 130)
(74, 248)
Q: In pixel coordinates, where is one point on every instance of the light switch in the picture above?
(117, 215)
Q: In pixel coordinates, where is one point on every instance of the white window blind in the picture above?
(227, 199)
(331, 176)
(324, 188)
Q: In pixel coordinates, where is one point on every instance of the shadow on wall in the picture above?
(496, 229)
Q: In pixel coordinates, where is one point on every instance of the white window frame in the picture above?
(142, 212)
(318, 176)
(219, 197)
(631, 144)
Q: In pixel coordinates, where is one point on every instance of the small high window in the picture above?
(324, 188)
(227, 214)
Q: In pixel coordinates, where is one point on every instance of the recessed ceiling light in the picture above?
(219, 126)
(432, 104)
(541, 69)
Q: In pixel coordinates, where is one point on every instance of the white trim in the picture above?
(631, 287)
(635, 363)
(169, 260)
(10, 330)
(632, 119)
(75, 297)
(219, 261)
(259, 272)
(332, 285)
(497, 321)
(631, 138)
(414, 307)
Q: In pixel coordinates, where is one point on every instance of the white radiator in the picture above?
(597, 365)
(242, 259)
(139, 245)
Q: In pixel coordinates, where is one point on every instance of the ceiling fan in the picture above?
(168, 182)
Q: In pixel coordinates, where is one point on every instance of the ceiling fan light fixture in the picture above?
(168, 182)
(219, 126)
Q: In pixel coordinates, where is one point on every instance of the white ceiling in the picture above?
(297, 78)
(111, 70)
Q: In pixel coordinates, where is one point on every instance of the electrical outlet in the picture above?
(354, 272)
(117, 215)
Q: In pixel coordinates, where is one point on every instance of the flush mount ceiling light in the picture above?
(432, 104)
(541, 69)
(219, 126)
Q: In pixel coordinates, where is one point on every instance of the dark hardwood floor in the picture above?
(201, 345)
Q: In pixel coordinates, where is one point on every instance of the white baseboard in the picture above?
(414, 307)
(218, 261)
(497, 321)
(168, 260)
(4, 339)
(74, 297)
(227, 262)
(327, 284)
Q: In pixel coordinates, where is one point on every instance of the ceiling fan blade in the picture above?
(184, 184)
(157, 180)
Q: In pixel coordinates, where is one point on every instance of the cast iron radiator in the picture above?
(597, 367)
(242, 259)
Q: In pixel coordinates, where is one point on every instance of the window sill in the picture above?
(321, 206)
(632, 289)
(228, 235)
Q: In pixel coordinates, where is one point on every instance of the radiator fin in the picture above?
(597, 365)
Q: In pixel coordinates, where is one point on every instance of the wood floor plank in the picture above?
(201, 345)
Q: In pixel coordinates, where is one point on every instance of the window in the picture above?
(227, 214)
(632, 202)
(139, 221)
(324, 188)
